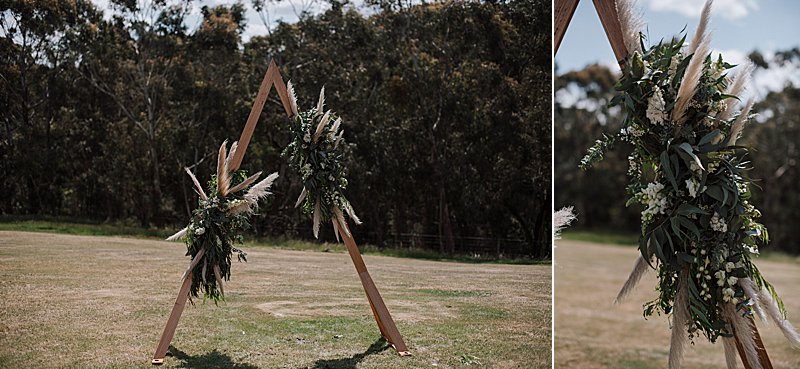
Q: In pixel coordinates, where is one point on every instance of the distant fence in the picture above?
(479, 247)
(483, 247)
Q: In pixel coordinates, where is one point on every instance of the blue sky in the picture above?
(738, 26)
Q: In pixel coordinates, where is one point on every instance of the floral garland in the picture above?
(691, 178)
(317, 153)
(218, 222)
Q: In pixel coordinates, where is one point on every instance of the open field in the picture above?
(592, 333)
(87, 301)
(86, 228)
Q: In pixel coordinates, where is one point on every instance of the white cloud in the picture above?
(764, 81)
(776, 78)
(732, 56)
(728, 9)
(573, 96)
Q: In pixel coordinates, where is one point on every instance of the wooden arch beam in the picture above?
(606, 10)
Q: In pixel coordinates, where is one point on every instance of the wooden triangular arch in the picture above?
(385, 322)
(607, 11)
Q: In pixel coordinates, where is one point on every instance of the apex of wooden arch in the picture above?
(271, 78)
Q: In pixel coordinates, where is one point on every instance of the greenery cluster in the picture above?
(447, 104)
(216, 230)
(319, 163)
(595, 191)
(698, 220)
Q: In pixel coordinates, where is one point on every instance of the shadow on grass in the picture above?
(211, 360)
(351, 362)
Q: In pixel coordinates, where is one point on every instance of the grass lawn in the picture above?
(97, 301)
(593, 333)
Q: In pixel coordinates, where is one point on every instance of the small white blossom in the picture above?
(655, 201)
(307, 137)
(692, 185)
(673, 66)
(634, 131)
(718, 224)
(727, 294)
(729, 266)
(695, 168)
(751, 249)
(655, 107)
(732, 280)
(306, 171)
(741, 187)
(199, 231)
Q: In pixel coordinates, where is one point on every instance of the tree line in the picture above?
(446, 107)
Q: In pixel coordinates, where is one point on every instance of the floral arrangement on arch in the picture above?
(317, 152)
(218, 222)
(699, 227)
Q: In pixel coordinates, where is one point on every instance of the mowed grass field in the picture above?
(593, 333)
(89, 301)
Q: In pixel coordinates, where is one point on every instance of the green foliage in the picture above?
(318, 160)
(215, 229)
(698, 223)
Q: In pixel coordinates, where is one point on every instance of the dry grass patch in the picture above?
(83, 301)
(592, 333)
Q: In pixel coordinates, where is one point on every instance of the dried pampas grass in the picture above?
(231, 154)
(639, 268)
(197, 187)
(698, 50)
(338, 139)
(340, 218)
(744, 334)
(219, 280)
(680, 317)
(700, 33)
(738, 124)
(301, 197)
(260, 189)
(731, 358)
(774, 312)
(562, 219)
(223, 179)
(178, 235)
(193, 263)
(630, 20)
(352, 214)
(751, 292)
(316, 218)
(321, 101)
(322, 123)
(335, 224)
(689, 82)
(335, 128)
(736, 87)
(245, 183)
(292, 97)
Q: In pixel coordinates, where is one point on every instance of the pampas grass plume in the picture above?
(630, 21)
(292, 97)
(680, 317)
